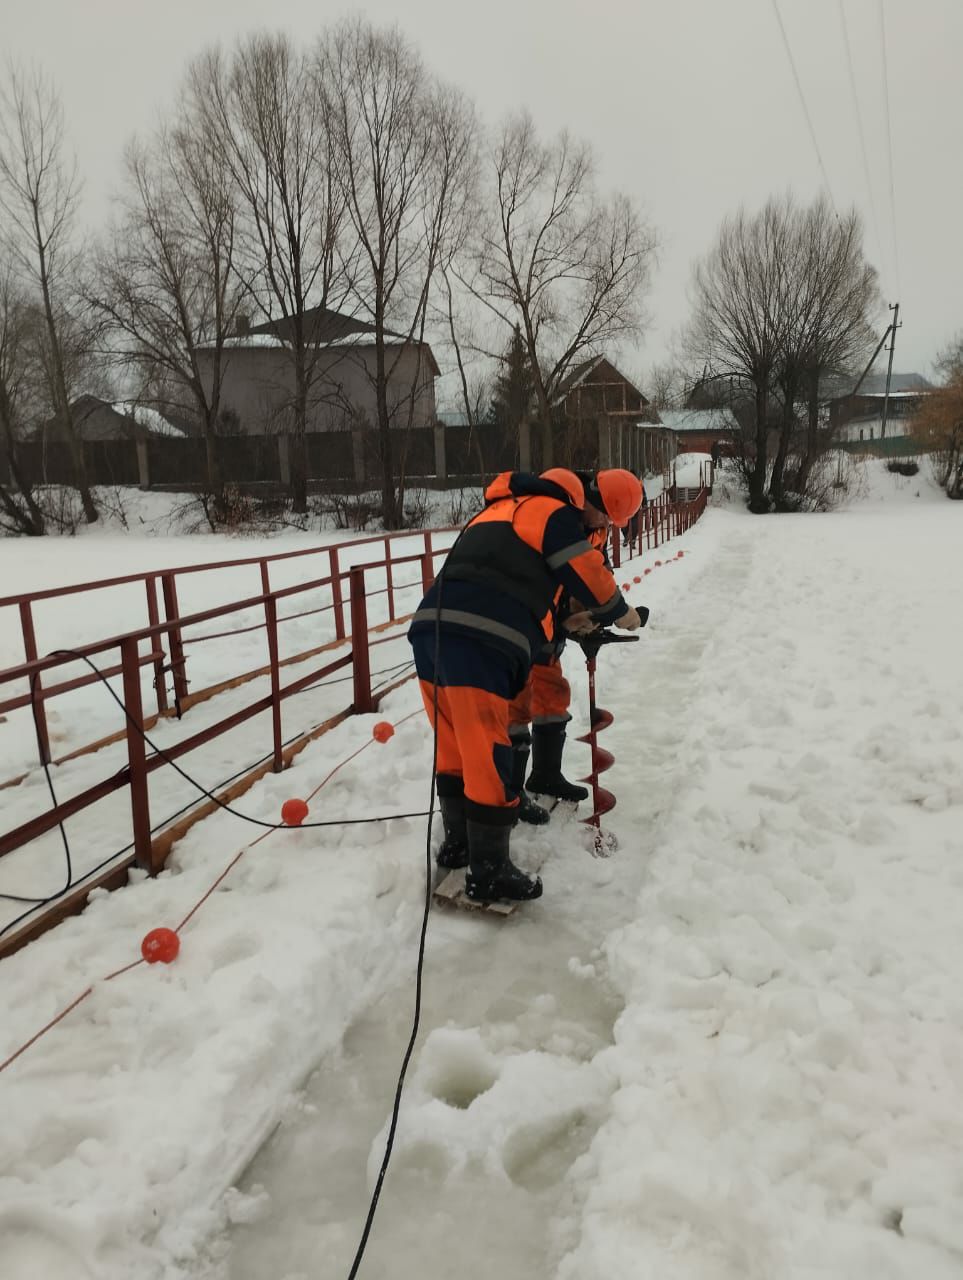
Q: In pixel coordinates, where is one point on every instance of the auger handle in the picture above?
(595, 639)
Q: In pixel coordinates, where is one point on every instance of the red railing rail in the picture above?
(175, 660)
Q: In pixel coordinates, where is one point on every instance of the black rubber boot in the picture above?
(528, 810)
(548, 743)
(454, 849)
(492, 874)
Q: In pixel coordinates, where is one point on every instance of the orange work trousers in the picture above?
(545, 698)
(473, 741)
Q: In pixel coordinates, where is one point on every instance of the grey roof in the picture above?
(874, 384)
(324, 328)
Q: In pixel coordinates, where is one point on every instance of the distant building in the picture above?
(859, 417)
(258, 387)
(609, 422)
(709, 431)
(96, 419)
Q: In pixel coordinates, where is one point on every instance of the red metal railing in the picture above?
(163, 644)
(174, 660)
(658, 521)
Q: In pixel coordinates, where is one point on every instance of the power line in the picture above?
(889, 144)
(859, 125)
(802, 100)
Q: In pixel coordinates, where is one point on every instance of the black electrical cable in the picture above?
(119, 853)
(245, 817)
(419, 970)
(36, 903)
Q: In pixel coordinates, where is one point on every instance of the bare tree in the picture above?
(566, 266)
(406, 161)
(838, 330)
(19, 509)
(39, 192)
(665, 386)
(741, 314)
(784, 298)
(475, 386)
(269, 114)
(166, 283)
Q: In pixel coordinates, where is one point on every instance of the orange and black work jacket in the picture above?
(512, 566)
(552, 651)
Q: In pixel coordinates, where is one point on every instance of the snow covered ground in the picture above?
(734, 1049)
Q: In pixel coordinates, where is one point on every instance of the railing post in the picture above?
(157, 642)
(360, 654)
(271, 624)
(615, 542)
(427, 565)
(169, 587)
(30, 653)
(390, 580)
(136, 756)
(336, 594)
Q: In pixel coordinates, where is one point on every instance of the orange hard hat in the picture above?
(568, 481)
(618, 493)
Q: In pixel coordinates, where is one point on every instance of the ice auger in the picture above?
(599, 719)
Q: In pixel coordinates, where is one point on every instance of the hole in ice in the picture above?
(456, 1068)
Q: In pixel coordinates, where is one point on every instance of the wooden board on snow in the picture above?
(450, 891)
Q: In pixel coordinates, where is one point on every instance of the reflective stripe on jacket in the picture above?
(513, 564)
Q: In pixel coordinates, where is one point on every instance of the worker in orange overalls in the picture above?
(492, 608)
(544, 703)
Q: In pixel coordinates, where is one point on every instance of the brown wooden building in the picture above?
(602, 419)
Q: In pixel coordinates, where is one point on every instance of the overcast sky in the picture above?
(691, 106)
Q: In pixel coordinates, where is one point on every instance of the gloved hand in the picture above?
(633, 619)
(579, 623)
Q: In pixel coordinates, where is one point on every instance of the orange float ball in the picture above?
(383, 731)
(160, 944)
(636, 579)
(293, 812)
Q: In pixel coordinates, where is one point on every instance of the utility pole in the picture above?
(894, 307)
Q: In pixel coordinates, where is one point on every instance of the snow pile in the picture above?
(877, 485)
(789, 1058)
(132, 1117)
(734, 1049)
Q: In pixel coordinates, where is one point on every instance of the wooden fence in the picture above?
(440, 456)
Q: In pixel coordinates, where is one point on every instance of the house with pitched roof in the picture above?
(859, 417)
(709, 431)
(258, 386)
(608, 422)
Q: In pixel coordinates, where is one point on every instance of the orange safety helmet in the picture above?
(568, 481)
(618, 493)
